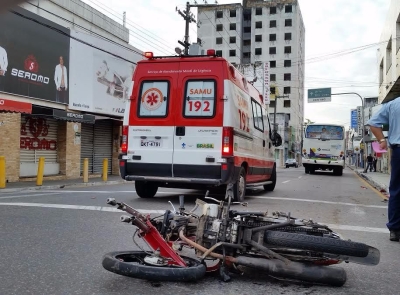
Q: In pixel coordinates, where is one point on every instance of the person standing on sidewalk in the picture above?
(389, 114)
(375, 161)
(370, 161)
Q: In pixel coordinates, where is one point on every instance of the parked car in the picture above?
(291, 163)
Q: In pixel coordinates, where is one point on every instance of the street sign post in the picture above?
(319, 95)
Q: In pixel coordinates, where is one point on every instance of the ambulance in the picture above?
(195, 122)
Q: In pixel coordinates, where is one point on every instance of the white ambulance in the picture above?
(195, 122)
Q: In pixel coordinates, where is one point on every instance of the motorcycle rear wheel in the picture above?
(315, 243)
(131, 264)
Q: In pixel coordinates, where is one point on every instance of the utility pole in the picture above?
(189, 18)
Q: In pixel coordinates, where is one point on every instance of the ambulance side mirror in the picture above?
(276, 139)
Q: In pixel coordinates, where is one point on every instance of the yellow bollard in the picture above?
(40, 172)
(2, 172)
(105, 169)
(86, 170)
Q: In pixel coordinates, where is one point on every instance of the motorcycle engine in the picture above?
(211, 229)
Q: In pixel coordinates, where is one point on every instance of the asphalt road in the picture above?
(52, 242)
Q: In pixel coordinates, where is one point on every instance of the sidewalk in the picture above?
(58, 184)
(377, 179)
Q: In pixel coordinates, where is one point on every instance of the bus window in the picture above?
(324, 132)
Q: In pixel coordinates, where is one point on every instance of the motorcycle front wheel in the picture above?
(131, 264)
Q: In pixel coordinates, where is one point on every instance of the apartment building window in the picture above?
(258, 51)
(272, 64)
(232, 13)
(288, 9)
(219, 28)
(272, 77)
(288, 22)
(272, 90)
(381, 72)
(218, 40)
(258, 11)
(218, 52)
(232, 40)
(286, 90)
(288, 49)
(219, 14)
(288, 36)
(232, 27)
(272, 10)
(272, 104)
(272, 23)
(272, 50)
(258, 25)
(246, 42)
(286, 103)
(247, 29)
(246, 54)
(258, 38)
(287, 63)
(232, 52)
(287, 77)
(272, 37)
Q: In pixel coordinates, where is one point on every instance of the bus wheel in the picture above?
(239, 188)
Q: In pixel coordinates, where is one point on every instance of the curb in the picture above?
(378, 186)
(61, 186)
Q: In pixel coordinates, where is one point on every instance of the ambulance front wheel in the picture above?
(239, 188)
(146, 189)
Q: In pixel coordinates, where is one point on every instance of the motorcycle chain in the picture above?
(285, 228)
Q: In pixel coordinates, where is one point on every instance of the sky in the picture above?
(335, 32)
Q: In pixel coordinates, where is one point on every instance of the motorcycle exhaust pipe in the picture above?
(325, 275)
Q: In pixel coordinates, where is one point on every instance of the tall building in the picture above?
(258, 32)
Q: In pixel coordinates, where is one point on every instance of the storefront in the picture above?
(97, 144)
(44, 134)
(10, 121)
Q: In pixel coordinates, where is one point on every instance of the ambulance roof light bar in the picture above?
(148, 54)
(210, 52)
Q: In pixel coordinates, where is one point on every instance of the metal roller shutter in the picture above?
(102, 145)
(44, 145)
(87, 145)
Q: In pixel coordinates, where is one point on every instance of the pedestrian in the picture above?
(389, 114)
(370, 161)
(375, 161)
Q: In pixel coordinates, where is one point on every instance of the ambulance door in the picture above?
(198, 134)
(152, 129)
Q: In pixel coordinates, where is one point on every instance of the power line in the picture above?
(68, 35)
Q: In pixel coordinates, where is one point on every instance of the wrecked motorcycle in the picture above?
(279, 244)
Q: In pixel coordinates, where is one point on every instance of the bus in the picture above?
(324, 148)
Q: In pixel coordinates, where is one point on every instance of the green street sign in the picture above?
(319, 95)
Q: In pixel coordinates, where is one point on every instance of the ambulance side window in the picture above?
(153, 99)
(257, 115)
(200, 97)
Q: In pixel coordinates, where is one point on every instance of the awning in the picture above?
(63, 115)
(377, 149)
(15, 106)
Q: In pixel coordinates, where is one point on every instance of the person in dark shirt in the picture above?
(370, 161)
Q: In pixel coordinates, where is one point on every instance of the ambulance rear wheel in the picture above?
(239, 188)
(146, 189)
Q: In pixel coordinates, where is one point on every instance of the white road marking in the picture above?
(143, 211)
(285, 181)
(358, 228)
(79, 207)
(31, 195)
(113, 192)
(300, 176)
(323, 202)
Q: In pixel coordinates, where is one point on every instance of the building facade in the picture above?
(388, 60)
(259, 32)
(65, 74)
